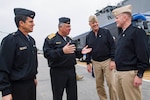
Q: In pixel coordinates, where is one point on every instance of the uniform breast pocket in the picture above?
(21, 54)
(59, 46)
(22, 51)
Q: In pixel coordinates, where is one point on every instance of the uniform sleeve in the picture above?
(111, 45)
(88, 55)
(7, 51)
(49, 50)
(141, 47)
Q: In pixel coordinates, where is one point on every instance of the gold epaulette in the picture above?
(51, 35)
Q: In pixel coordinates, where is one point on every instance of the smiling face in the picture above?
(94, 25)
(123, 20)
(26, 26)
(93, 22)
(64, 29)
(120, 20)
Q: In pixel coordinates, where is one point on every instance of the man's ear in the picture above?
(89, 24)
(21, 23)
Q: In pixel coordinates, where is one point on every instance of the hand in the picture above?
(67, 49)
(86, 50)
(137, 81)
(7, 97)
(112, 65)
(35, 81)
(89, 68)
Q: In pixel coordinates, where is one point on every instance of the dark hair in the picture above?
(20, 18)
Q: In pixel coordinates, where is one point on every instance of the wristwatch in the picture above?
(139, 75)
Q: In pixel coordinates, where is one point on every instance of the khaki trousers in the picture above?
(101, 69)
(125, 88)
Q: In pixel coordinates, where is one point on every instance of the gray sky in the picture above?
(47, 14)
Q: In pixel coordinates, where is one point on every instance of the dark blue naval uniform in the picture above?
(132, 51)
(18, 65)
(62, 67)
(103, 46)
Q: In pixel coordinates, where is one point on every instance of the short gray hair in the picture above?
(93, 18)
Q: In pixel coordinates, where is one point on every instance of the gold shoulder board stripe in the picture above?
(51, 35)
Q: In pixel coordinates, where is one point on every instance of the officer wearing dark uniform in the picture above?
(18, 60)
(131, 55)
(59, 51)
(102, 58)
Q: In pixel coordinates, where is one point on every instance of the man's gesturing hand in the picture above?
(67, 49)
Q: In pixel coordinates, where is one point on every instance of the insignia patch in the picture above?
(13, 33)
(123, 35)
(22, 48)
(34, 45)
(51, 35)
(58, 42)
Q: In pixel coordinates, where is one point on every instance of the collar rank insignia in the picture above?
(51, 35)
